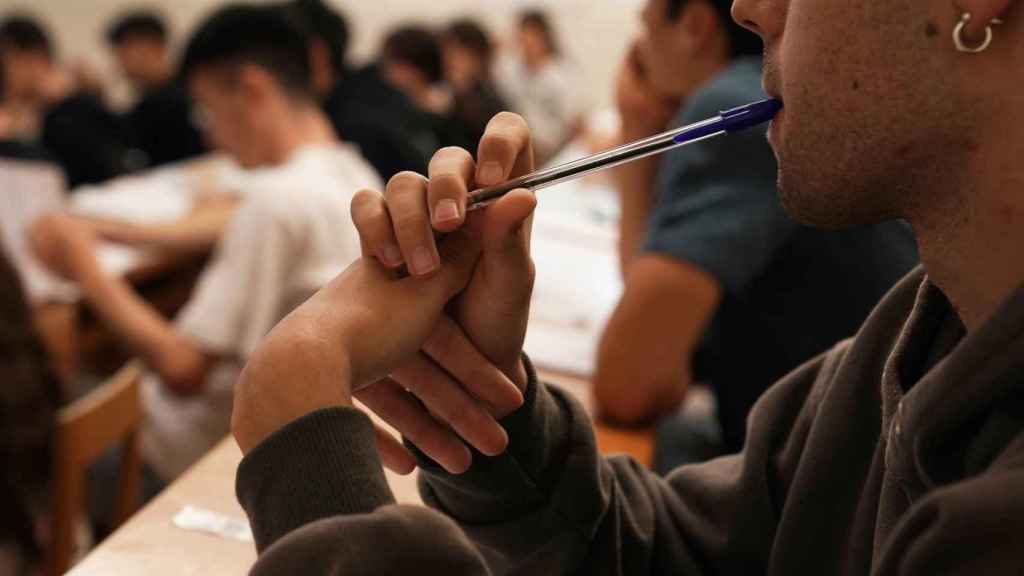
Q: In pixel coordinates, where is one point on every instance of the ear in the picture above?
(700, 23)
(320, 65)
(254, 83)
(982, 13)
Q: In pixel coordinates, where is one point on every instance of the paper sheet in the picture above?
(201, 520)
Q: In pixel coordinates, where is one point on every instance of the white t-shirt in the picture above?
(547, 99)
(291, 235)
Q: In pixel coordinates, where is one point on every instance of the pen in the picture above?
(726, 122)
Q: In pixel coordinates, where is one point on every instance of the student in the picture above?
(365, 110)
(468, 69)
(29, 399)
(69, 120)
(900, 451)
(246, 67)
(411, 61)
(715, 271)
(541, 85)
(160, 123)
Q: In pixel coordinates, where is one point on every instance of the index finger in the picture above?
(451, 173)
(505, 150)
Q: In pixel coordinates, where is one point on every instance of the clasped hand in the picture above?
(427, 329)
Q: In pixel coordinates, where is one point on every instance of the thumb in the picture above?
(506, 230)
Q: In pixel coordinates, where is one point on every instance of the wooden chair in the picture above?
(86, 429)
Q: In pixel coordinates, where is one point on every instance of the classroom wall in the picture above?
(594, 32)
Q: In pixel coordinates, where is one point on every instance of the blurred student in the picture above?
(411, 61)
(247, 68)
(541, 85)
(721, 286)
(468, 69)
(67, 116)
(365, 109)
(29, 398)
(160, 124)
(13, 145)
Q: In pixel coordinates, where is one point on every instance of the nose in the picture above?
(762, 17)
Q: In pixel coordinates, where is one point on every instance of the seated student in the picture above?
(29, 399)
(468, 69)
(721, 286)
(12, 145)
(365, 110)
(160, 123)
(410, 60)
(898, 452)
(72, 124)
(247, 68)
(541, 84)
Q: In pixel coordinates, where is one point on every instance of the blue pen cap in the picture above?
(750, 115)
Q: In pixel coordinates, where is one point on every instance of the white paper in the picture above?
(208, 522)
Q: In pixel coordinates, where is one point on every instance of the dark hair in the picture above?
(417, 47)
(471, 35)
(29, 398)
(25, 33)
(316, 20)
(250, 34)
(742, 42)
(143, 23)
(540, 21)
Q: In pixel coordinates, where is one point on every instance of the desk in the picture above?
(150, 545)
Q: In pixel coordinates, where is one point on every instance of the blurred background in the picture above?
(594, 34)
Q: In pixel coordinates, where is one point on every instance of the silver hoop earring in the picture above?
(958, 35)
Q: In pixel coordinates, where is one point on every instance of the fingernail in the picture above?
(446, 211)
(422, 261)
(391, 255)
(490, 174)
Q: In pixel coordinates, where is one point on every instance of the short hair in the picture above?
(417, 47)
(250, 34)
(471, 35)
(145, 23)
(742, 42)
(25, 33)
(320, 21)
(539, 20)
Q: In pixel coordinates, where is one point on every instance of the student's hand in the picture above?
(63, 243)
(399, 227)
(644, 110)
(384, 339)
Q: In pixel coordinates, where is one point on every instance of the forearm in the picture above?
(198, 231)
(635, 184)
(134, 321)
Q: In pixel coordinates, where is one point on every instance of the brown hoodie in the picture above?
(899, 452)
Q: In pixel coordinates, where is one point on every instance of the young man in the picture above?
(365, 110)
(160, 125)
(898, 452)
(246, 67)
(72, 124)
(714, 268)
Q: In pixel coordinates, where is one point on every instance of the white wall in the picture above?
(594, 32)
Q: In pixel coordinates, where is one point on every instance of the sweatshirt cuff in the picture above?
(541, 434)
(322, 465)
